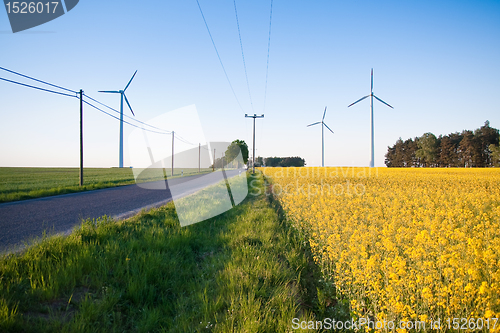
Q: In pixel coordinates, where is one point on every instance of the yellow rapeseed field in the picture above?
(402, 244)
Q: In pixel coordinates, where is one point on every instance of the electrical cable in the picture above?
(134, 119)
(27, 85)
(220, 60)
(268, 47)
(126, 122)
(32, 78)
(165, 132)
(177, 136)
(243, 55)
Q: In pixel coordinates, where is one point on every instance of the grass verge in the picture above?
(242, 271)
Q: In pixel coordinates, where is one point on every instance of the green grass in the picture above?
(243, 271)
(29, 183)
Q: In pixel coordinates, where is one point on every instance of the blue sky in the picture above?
(436, 62)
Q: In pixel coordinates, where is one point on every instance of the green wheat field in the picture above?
(29, 183)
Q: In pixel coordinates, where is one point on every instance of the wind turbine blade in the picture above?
(107, 91)
(383, 101)
(328, 127)
(359, 100)
(126, 100)
(130, 81)
(372, 81)
(319, 122)
(324, 114)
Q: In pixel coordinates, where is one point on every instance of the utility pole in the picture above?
(199, 157)
(213, 165)
(172, 153)
(253, 157)
(81, 137)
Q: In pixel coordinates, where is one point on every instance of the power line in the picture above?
(143, 123)
(95, 107)
(27, 85)
(178, 137)
(32, 78)
(220, 60)
(64, 94)
(268, 47)
(126, 122)
(134, 119)
(242, 54)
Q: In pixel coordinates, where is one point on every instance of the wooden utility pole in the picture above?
(199, 157)
(81, 137)
(213, 165)
(172, 153)
(253, 157)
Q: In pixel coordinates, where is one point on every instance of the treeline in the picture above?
(477, 148)
(280, 161)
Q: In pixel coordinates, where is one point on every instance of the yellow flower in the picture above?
(401, 243)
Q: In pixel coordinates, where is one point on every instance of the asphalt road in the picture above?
(23, 220)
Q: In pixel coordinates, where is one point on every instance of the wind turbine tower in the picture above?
(322, 136)
(372, 161)
(122, 96)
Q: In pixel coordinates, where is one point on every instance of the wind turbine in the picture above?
(322, 136)
(372, 161)
(122, 93)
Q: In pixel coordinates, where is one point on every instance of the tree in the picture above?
(285, 161)
(447, 152)
(394, 156)
(427, 149)
(409, 149)
(466, 150)
(486, 136)
(293, 161)
(389, 157)
(495, 155)
(235, 148)
(273, 161)
(455, 138)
